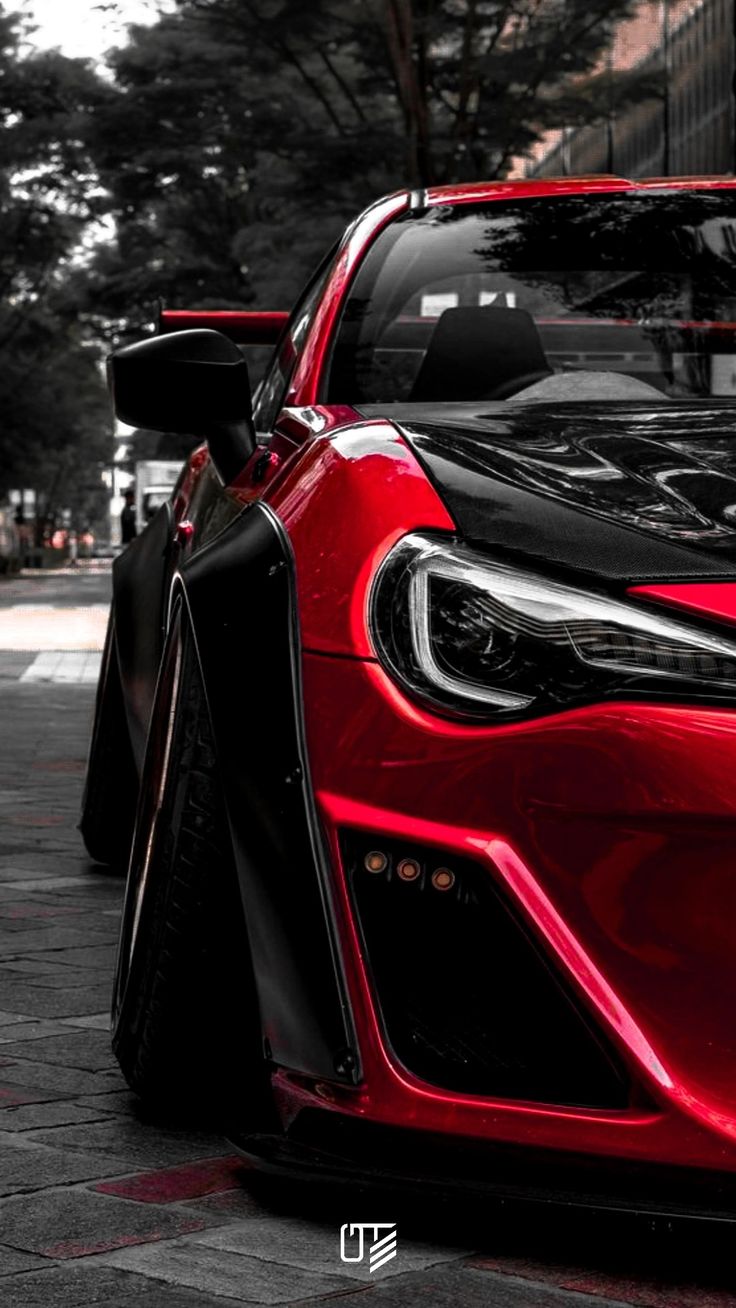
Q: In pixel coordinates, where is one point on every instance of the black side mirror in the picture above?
(188, 382)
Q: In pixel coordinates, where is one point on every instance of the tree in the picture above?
(53, 411)
(480, 81)
(442, 89)
(244, 133)
(214, 178)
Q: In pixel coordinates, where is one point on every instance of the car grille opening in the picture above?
(468, 999)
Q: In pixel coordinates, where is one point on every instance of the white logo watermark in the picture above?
(381, 1251)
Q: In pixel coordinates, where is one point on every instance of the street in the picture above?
(103, 1202)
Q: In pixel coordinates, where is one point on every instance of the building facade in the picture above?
(689, 128)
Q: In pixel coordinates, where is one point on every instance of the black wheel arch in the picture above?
(239, 598)
(140, 592)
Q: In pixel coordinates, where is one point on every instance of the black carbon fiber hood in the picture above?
(629, 492)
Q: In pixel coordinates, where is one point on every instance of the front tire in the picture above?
(186, 1027)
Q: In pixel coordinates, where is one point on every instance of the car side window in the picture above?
(272, 392)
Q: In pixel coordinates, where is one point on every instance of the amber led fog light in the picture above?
(443, 878)
(408, 869)
(375, 861)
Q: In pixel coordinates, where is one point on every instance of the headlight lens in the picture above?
(487, 640)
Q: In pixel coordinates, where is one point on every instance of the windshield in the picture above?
(607, 296)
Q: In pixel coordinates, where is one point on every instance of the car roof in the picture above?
(467, 192)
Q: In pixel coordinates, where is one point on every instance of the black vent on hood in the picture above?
(623, 491)
(468, 1000)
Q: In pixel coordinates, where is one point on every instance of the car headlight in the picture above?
(489, 640)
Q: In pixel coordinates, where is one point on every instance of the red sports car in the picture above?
(416, 725)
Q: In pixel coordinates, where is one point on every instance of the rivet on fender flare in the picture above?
(345, 1062)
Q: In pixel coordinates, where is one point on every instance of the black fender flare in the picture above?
(240, 596)
(140, 592)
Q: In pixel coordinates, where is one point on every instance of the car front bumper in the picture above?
(609, 831)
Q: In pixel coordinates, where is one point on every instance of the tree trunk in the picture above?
(407, 49)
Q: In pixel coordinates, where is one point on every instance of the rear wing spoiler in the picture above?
(243, 328)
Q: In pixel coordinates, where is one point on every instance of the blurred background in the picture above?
(206, 153)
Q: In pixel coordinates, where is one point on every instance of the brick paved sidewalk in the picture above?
(101, 1204)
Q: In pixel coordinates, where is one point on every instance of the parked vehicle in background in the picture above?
(154, 482)
(416, 725)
